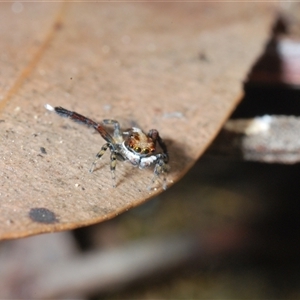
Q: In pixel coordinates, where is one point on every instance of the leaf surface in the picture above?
(176, 67)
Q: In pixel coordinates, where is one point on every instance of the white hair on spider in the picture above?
(49, 107)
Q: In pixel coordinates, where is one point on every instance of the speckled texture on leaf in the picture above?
(176, 67)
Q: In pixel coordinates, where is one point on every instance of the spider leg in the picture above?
(113, 160)
(98, 156)
(113, 163)
(74, 116)
(153, 133)
(116, 124)
(161, 168)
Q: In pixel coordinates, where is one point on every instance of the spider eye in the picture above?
(145, 151)
(137, 149)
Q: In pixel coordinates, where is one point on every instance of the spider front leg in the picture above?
(154, 135)
(161, 168)
(113, 160)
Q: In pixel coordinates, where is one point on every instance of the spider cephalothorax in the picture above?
(133, 145)
(139, 142)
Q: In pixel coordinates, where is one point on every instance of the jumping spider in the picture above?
(132, 145)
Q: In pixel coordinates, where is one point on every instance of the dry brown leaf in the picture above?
(176, 67)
